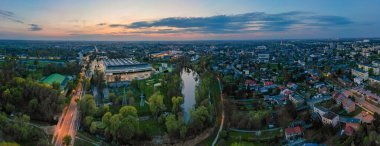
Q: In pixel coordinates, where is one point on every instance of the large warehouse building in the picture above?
(126, 70)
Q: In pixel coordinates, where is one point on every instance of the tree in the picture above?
(172, 125)
(177, 101)
(93, 127)
(67, 140)
(156, 104)
(56, 85)
(370, 72)
(115, 123)
(88, 121)
(128, 111)
(199, 117)
(102, 110)
(128, 128)
(87, 105)
(131, 98)
(33, 105)
(183, 131)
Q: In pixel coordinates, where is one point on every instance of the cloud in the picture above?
(101, 24)
(118, 25)
(239, 23)
(10, 16)
(34, 27)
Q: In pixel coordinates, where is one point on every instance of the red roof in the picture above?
(268, 83)
(348, 130)
(293, 130)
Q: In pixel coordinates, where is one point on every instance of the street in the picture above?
(68, 124)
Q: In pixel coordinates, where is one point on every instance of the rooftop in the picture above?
(293, 130)
(121, 62)
(330, 115)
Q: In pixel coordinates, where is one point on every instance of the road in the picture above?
(222, 118)
(360, 101)
(67, 124)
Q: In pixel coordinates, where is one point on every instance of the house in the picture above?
(373, 81)
(323, 89)
(348, 130)
(348, 104)
(320, 110)
(293, 133)
(292, 85)
(330, 118)
(268, 83)
(358, 80)
(286, 92)
(317, 99)
(360, 73)
(296, 99)
(345, 81)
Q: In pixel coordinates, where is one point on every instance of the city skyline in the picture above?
(187, 20)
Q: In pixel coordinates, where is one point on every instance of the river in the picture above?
(189, 82)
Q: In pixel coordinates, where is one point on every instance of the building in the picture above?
(368, 67)
(345, 81)
(366, 94)
(373, 81)
(293, 133)
(347, 104)
(126, 70)
(317, 99)
(264, 57)
(360, 73)
(358, 80)
(330, 118)
(296, 99)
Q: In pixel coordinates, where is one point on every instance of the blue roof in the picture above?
(349, 120)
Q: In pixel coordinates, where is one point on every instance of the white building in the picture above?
(330, 118)
(360, 73)
(367, 67)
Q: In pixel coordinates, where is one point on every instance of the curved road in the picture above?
(222, 119)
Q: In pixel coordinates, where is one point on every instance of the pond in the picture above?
(189, 82)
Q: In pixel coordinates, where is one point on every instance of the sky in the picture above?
(131, 20)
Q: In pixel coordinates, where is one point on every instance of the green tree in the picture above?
(183, 131)
(128, 128)
(87, 121)
(128, 111)
(93, 127)
(33, 105)
(67, 140)
(56, 86)
(177, 101)
(172, 125)
(156, 104)
(199, 117)
(87, 105)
